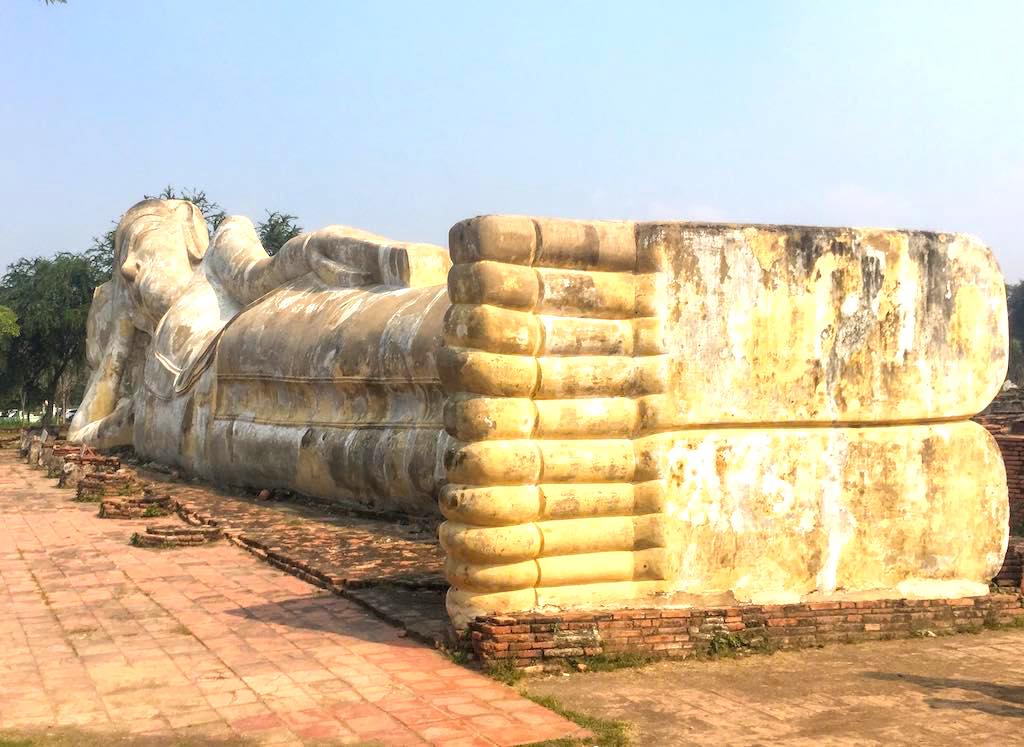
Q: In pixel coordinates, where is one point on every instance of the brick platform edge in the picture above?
(552, 641)
(1012, 447)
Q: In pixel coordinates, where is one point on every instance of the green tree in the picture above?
(273, 232)
(1015, 313)
(276, 230)
(211, 210)
(51, 298)
(101, 253)
(9, 330)
(8, 325)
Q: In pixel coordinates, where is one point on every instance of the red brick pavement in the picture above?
(394, 567)
(209, 642)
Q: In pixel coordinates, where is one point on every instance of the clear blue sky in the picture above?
(403, 118)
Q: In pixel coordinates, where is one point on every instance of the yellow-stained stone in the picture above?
(608, 414)
(796, 399)
(789, 324)
(790, 514)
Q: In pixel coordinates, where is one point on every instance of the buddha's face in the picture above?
(159, 243)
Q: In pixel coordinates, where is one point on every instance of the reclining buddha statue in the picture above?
(608, 414)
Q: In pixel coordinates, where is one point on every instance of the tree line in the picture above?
(44, 306)
(1015, 310)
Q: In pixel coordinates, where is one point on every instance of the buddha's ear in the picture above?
(197, 239)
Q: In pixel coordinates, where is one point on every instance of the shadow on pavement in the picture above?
(326, 614)
(1004, 700)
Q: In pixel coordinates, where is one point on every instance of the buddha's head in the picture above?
(157, 245)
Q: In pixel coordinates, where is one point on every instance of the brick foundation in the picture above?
(53, 455)
(149, 504)
(1012, 573)
(176, 536)
(76, 466)
(1012, 447)
(542, 640)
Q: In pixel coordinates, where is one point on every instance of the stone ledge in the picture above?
(551, 641)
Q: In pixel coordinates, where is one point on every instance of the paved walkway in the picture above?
(393, 566)
(208, 642)
(937, 691)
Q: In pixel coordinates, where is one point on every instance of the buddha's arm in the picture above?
(339, 256)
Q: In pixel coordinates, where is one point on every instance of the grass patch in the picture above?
(71, 737)
(15, 742)
(152, 511)
(459, 656)
(726, 645)
(461, 651)
(504, 671)
(612, 661)
(992, 624)
(607, 733)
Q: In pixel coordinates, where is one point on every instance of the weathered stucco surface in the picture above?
(766, 514)
(791, 324)
(606, 413)
(691, 414)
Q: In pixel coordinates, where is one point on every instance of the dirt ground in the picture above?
(936, 691)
